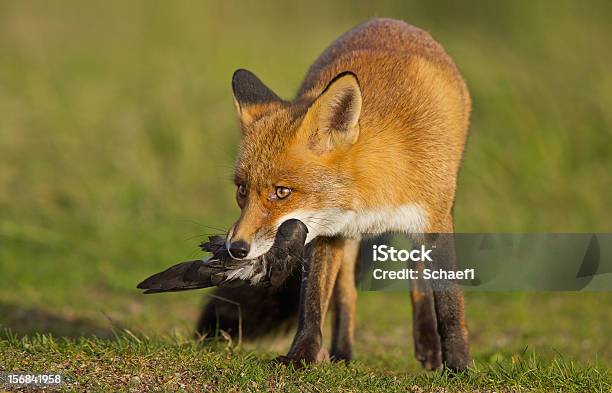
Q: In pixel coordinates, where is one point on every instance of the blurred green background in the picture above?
(118, 132)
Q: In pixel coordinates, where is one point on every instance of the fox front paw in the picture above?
(303, 355)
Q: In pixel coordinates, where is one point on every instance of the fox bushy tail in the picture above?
(262, 310)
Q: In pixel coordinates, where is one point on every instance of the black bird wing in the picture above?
(180, 277)
(286, 253)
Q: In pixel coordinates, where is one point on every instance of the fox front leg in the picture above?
(318, 279)
(344, 304)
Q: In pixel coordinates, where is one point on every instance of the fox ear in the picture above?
(251, 96)
(335, 114)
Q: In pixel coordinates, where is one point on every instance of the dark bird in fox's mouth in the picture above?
(220, 269)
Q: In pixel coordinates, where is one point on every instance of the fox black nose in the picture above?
(239, 249)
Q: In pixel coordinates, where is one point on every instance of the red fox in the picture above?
(372, 143)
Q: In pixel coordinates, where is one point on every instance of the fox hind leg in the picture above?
(427, 345)
(449, 305)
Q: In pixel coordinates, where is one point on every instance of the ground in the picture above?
(538, 341)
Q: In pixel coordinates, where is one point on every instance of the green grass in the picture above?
(537, 342)
(132, 363)
(117, 137)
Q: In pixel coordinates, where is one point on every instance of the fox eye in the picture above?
(283, 192)
(242, 190)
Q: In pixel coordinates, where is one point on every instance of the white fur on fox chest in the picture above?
(410, 218)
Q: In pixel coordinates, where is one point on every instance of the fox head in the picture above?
(293, 160)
